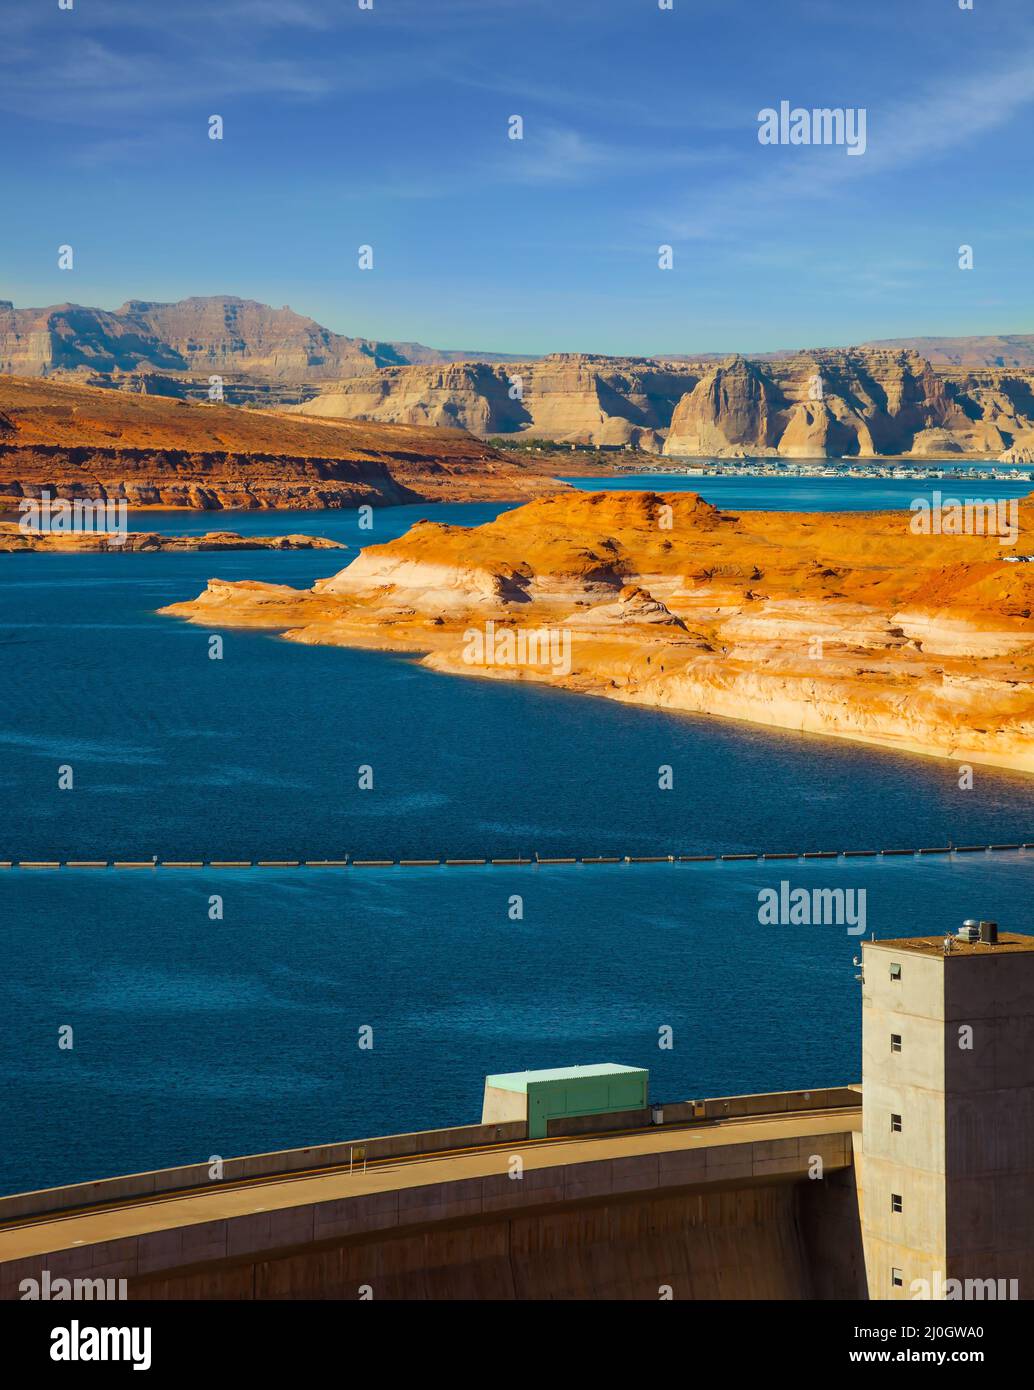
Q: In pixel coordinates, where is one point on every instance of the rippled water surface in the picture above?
(196, 1037)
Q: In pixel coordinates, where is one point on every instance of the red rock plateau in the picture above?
(843, 624)
(12, 539)
(154, 451)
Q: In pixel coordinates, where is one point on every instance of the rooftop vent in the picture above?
(974, 931)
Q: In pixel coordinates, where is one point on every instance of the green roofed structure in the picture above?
(562, 1093)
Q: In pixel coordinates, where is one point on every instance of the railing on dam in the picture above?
(682, 1112)
(422, 1143)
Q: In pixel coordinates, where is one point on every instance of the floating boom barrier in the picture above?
(517, 861)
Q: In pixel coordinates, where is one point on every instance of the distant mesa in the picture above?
(918, 397)
(1008, 350)
(266, 355)
(852, 403)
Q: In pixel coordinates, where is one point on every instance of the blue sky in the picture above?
(389, 127)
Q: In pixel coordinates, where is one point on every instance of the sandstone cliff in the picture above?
(843, 624)
(851, 404)
(262, 353)
(830, 404)
(568, 397)
(734, 408)
(154, 451)
(211, 334)
(923, 397)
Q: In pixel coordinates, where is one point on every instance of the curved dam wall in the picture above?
(726, 1207)
(767, 1240)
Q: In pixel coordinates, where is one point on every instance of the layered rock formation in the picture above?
(830, 404)
(851, 404)
(975, 400)
(13, 539)
(995, 350)
(172, 349)
(568, 397)
(213, 334)
(843, 624)
(732, 408)
(82, 442)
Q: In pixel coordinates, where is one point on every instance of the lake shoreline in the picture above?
(811, 624)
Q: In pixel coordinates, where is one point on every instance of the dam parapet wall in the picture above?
(710, 1197)
(284, 1162)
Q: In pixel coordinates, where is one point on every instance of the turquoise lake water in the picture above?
(196, 1037)
(744, 492)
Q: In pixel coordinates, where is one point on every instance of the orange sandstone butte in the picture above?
(844, 624)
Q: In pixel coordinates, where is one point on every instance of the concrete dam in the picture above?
(917, 1182)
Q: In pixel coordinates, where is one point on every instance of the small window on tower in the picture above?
(895, 971)
(895, 1201)
(897, 1278)
(895, 1124)
(895, 1042)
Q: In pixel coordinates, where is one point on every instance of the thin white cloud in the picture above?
(947, 117)
(551, 153)
(117, 59)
